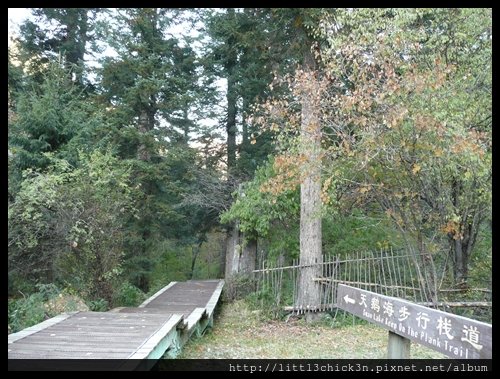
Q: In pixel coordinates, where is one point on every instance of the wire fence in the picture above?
(398, 273)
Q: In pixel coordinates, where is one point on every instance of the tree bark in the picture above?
(244, 128)
(232, 246)
(232, 97)
(461, 248)
(77, 30)
(232, 240)
(232, 251)
(231, 122)
(248, 256)
(144, 127)
(222, 257)
(309, 294)
(145, 124)
(195, 252)
(241, 255)
(460, 263)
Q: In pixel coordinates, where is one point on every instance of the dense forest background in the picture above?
(148, 145)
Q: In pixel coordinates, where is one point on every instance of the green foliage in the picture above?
(266, 300)
(153, 74)
(29, 310)
(15, 77)
(57, 33)
(239, 52)
(357, 232)
(98, 305)
(284, 239)
(128, 295)
(25, 312)
(264, 303)
(153, 93)
(416, 116)
(48, 291)
(406, 116)
(67, 224)
(258, 210)
(49, 117)
(170, 260)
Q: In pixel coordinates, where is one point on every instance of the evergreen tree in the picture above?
(48, 117)
(150, 90)
(58, 33)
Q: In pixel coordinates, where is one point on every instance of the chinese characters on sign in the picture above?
(455, 336)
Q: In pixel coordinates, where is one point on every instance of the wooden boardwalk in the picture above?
(158, 327)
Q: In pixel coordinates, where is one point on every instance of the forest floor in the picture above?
(242, 333)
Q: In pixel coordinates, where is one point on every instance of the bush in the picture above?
(238, 286)
(47, 302)
(264, 302)
(128, 295)
(67, 224)
(26, 312)
(99, 305)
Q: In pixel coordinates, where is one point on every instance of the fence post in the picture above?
(398, 347)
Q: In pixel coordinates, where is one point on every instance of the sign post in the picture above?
(455, 336)
(398, 347)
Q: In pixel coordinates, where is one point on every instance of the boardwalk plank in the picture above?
(144, 332)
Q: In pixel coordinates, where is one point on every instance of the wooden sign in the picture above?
(455, 336)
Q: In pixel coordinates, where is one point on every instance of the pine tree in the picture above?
(58, 33)
(150, 90)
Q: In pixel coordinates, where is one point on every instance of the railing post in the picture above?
(398, 347)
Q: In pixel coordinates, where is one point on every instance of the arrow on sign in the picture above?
(348, 300)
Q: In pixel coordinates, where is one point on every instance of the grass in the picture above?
(240, 333)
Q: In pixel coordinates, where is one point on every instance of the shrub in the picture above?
(128, 295)
(99, 305)
(238, 286)
(26, 312)
(48, 301)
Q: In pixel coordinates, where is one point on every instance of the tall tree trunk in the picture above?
(185, 125)
(232, 96)
(222, 257)
(241, 255)
(232, 239)
(145, 124)
(195, 252)
(248, 256)
(231, 122)
(460, 263)
(462, 247)
(144, 127)
(309, 293)
(77, 34)
(244, 128)
(233, 251)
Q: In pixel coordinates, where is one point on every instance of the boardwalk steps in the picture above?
(158, 327)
